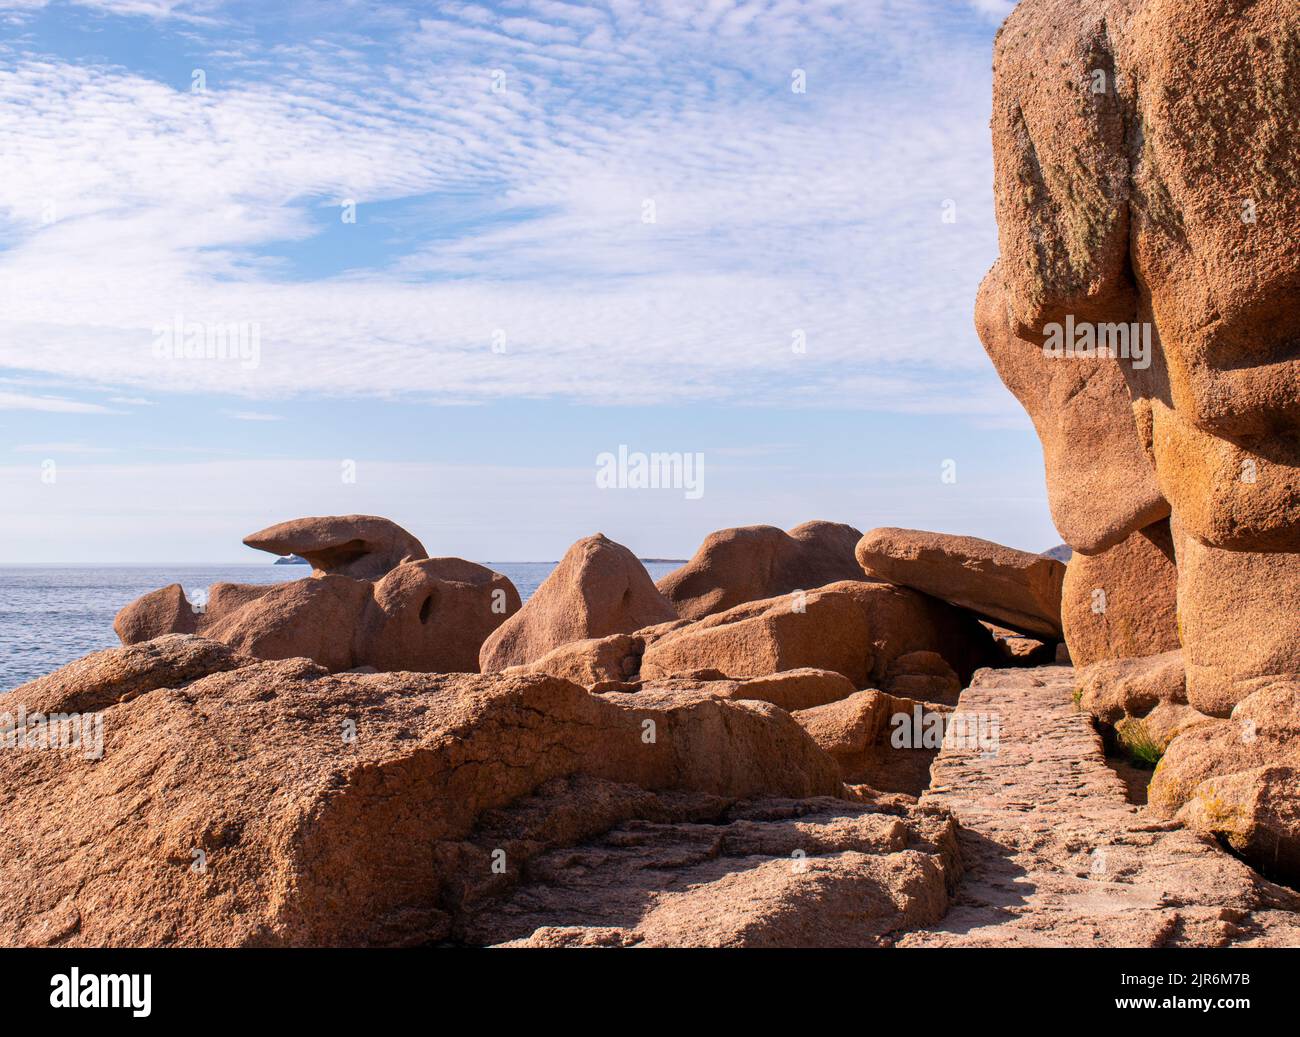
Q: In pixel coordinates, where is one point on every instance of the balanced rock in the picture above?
(1014, 588)
(599, 588)
(424, 614)
(1122, 603)
(311, 838)
(748, 563)
(364, 547)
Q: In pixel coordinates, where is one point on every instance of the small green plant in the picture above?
(1078, 698)
(1142, 749)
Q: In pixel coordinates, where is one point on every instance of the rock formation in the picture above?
(1147, 197)
(1014, 588)
(412, 613)
(599, 588)
(276, 804)
(734, 566)
(852, 627)
(364, 547)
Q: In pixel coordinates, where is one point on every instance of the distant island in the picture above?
(292, 560)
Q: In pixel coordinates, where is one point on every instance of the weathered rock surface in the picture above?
(276, 804)
(792, 690)
(1115, 688)
(1088, 210)
(598, 589)
(365, 547)
(1054, 854)
(823, 629)
(923, 675)
(1014, 649)
(1234, 779)
(1014, 588)
(865, 734)
(1100, 484)
(591, 661)
(749, 563)
(312, 619)
(771, 873)
(1122, 603)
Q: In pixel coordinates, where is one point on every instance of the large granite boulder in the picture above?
(1240, 615)
(598, 589)
(1014, 588)
(164, 611)
(1100, 483)
(433, 616)
(854, 627)
(748, 563)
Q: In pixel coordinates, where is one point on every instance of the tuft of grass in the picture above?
(1142, 749)
(1078, 698)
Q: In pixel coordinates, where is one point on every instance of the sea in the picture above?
(50, 615)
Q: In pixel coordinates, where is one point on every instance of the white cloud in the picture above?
(53, 404)
(775, 213)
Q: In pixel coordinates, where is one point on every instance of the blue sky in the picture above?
(503, 160)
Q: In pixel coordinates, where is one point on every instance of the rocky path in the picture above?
(1055, 855)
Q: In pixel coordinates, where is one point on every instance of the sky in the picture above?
(451, 253)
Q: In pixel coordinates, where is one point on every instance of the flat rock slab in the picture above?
(1055, 855)
(1013, 588)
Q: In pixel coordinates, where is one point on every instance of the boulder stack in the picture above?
(374, 599)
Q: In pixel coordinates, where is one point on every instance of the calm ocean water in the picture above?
(52, 615)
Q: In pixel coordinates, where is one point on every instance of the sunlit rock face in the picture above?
(1148, 200)
(1146, 304)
